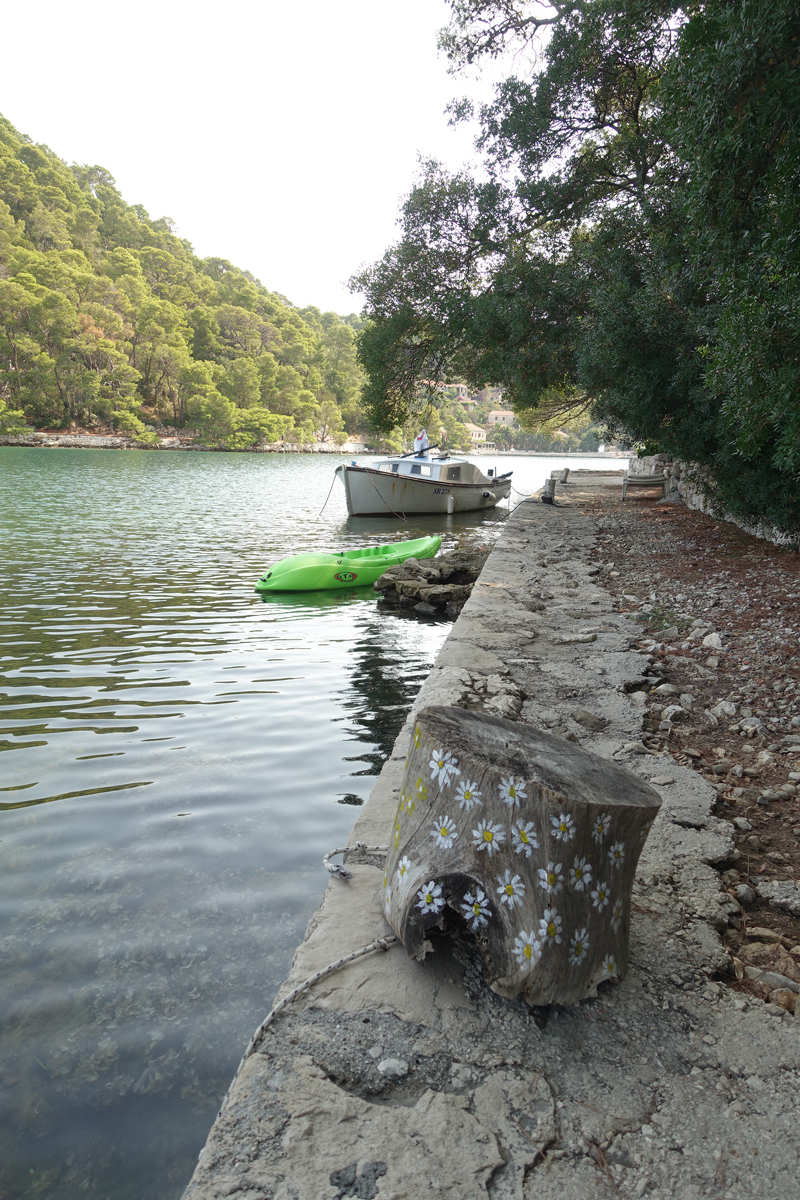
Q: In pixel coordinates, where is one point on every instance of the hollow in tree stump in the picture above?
(530, 841)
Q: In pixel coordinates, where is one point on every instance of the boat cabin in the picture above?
(443, 469)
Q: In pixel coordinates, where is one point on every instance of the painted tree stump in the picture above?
(529, 840)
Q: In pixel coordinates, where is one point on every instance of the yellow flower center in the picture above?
(579, 948)
(443, 830)
(441, 762)
(551, 930)
(512, 791)
(487, 835)
(563, 826)
(523, 837)
(528, 952)
(578, 873)
(551, 878)
(476, 908)
(509, 890)
(467, 795)
(428, 897)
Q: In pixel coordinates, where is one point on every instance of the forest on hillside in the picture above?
(107, 317)
(630, 243)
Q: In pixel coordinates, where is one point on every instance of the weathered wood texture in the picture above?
(529, 840)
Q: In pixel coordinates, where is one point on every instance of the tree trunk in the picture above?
(528, 840)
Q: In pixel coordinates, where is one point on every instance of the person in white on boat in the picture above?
(421, 444)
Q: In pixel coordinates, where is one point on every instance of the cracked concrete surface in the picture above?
(393, 1079)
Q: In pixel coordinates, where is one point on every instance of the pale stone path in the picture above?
(395, 1079)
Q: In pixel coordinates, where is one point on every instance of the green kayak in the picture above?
(350, 568)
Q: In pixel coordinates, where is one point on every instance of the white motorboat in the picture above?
(420, 483)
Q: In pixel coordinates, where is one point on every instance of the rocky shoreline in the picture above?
(434, 587)
(88, 441)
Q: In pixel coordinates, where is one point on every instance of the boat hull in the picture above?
(372, 493)
(349, 569)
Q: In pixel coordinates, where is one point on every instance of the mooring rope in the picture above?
(380, 497)
(327, 498)
(377, 944)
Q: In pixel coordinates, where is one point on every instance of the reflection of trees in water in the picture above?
(388, 669)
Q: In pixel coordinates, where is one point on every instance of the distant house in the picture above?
(502, 416)
(476, 433)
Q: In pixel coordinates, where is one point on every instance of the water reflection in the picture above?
(174, 748)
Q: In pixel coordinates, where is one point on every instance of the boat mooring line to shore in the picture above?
(327, 498)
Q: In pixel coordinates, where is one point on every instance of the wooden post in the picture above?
(528, 841)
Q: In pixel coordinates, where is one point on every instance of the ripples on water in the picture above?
(177, 756)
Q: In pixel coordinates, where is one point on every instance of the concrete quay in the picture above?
(392, 1078)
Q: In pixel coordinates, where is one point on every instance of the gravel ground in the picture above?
(720, 613)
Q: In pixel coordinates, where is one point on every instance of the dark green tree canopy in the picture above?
(634, 238)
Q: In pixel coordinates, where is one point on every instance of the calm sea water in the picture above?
(177, 755)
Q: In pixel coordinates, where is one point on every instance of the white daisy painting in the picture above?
(524, 838)
(403, 868)
(511, 889)
(467, 795)
(551, 878)
(476, 909)
(444, 832)
(616, 854)
(600, 896)
(601, 827)
(563, 827)
(578, 948)
(512, 791)
(616, 915)
(430, 898)
(580, 875)
(610, 968)
(550, 927)
(527, 949)
(488, 837)
(443, 766)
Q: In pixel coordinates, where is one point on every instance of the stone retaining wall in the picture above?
(688, 482)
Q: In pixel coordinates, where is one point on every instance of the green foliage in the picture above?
(12, 420)
(634, 240)
(106, 316)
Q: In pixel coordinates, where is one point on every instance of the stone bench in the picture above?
(648, 481)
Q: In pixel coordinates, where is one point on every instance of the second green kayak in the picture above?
(349, 568)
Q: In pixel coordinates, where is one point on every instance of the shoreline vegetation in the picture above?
(109, 321)
(70, 440)
(110, 325)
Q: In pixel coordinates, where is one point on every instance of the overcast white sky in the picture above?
(279, 136)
